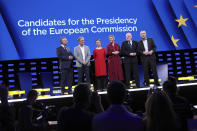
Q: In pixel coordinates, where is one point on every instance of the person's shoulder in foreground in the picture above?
(117, 117)
(117, 120)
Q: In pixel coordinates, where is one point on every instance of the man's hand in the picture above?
(150, 52)
(84, 62)
(132, 54)
(146, 53)
(70, 57)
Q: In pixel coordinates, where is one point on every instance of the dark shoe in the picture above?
(99, 90)
(128, 86)
(62, 92)
(104, 89)
(147, 84)
(137, 85)
(157, 84)
(70, 92)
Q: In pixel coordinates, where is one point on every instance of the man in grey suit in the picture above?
(65, 57)
(82, 56)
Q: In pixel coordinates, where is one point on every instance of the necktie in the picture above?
(130, 44)
(66, 48)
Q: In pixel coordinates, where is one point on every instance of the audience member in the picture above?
(160, 115)
(26, 120)
(6, 113)
(117, 117)
(77, 117)
(95, 104)
(181, 105)
(165, 111)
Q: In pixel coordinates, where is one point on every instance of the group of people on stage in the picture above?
(129, 50)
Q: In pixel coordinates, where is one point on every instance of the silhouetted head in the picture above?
(159, 112)
(173, 79)
(3, 94)
(170, 86)
(32, 96)
(82, 94)
(116, 92)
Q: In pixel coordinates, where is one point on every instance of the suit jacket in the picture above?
(117, 118)
(79, 57)
(63, 56)
(151, 46)
(126, 49)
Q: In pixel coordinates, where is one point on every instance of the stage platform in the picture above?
(188, 90)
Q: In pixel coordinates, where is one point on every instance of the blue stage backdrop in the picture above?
(32, 29)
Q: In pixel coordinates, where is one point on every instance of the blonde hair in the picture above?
(111, 36)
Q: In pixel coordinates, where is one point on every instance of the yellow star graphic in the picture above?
(181, 21)
(174, 41)
(195, 6)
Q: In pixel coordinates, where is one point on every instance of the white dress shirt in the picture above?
(63, 46)
(130, 42)
(145, 42)
(83, 51)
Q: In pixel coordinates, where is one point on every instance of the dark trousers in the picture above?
(100, 83)
(149, 62)
(81, 71)
(66, 77)
(131, 67)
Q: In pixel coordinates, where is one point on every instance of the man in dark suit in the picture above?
(128, 50)
(65, 57)
(147, 50)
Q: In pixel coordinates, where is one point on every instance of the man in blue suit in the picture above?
(117, 117)
(65, 57)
